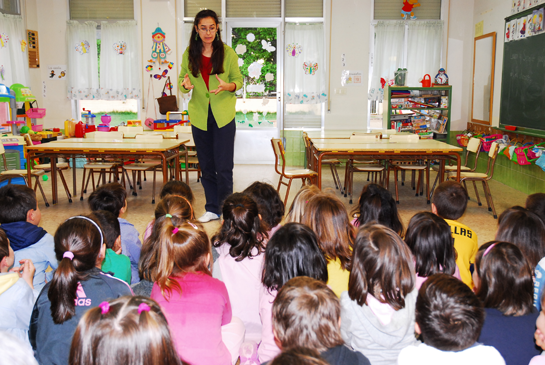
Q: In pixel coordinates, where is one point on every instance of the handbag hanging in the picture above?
(167, 103)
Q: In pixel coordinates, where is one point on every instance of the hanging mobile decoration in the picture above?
(83, 47)
(310, 68)
(294, 49)
(149, 68)
(4, 39)
(407, 9)
(160, 76)
(120, 47)
(23, 45)
(159, 50)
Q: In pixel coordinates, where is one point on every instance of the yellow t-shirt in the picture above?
(338, 277)
(466, 245)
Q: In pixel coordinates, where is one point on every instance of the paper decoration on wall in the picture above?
(250, 37)
(265, 102)
(407, 9)
(507, 31)
(2, 72)
(522, 27)
(294, 49)
(310, 68)
(256, 117)
(120, 47)
(254, 70)
(4, 39)
(267, 46)
(149, 68)
(240, 62)
(255, 88)
(530, 25)
(269, 77)
(160, 76)
(170, 65)
(83, 47)
(241, 49)
(538, 20)
(159, 50)
(514, 30)
(23, 45)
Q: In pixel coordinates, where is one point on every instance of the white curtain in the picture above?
(13, 51)
(119, 61)
(82, 74)
(304, 74)
(423, 50)
(387, 55)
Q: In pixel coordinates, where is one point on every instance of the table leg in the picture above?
(74, 176)
(186, 165)
(29, 169)
(441, 170)
(54, 179)
(319, 170)
(458, 165)
(165, 168)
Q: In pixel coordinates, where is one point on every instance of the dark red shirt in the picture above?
(206, 68)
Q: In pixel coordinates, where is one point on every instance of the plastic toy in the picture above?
(24, 95)
(407, 9)
(426, 80)
(45, 178)
(441, 78)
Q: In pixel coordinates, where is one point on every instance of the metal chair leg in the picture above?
(41, 190)
(397, 193)
(477, 194)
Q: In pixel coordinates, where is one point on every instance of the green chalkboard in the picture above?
(523, 83)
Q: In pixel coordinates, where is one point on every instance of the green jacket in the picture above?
(223, 104)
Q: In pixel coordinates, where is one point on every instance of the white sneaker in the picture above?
(208, 216)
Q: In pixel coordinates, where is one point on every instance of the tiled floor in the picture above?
(140, 210)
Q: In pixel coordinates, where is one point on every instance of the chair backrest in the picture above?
(107, 136)
(182, 129)
(404, 138)
(278, 150)
(149, 138)
(28, 140)
(308, 152)
(474, 144)
(492, 154)
(130, 130)
(368, 138)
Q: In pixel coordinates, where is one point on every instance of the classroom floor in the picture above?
(140, 209)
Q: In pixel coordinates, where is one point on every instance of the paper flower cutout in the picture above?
(120, 47)
(255, 88)
(149, 68)
(310, 68)
(4, 39)
(294, 49)
(240, 62)
(267, 46)
(241, 49)
(83, 47)
(269, 77)
(244, 111)
(23, 45)
(170, 65)
(250, 37)
(256, 117)
(265, 102)
(255, 70)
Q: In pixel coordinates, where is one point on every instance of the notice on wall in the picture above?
(351, 78)
(56, 72)
(479, 28)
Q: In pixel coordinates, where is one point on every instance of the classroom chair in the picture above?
(332, 162)
(61, 166)
(473, 146)
(14, 174)
(280, 159)
(139, 167)
(184, 132)
(374, 167)
(482, 177)
(130, 130)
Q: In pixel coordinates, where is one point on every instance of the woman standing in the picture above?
(210, 69)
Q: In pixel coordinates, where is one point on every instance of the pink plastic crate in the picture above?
(35, 113)
(37, 128)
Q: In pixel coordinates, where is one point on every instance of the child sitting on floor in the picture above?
(300, 202)
(20, 216)
(16, 295)
(113, 198)
(241, 243)
(306, 312)
(536, 203)
(269, 204)
(115, 263)
(539, 335)
(449, 316)
(449, 202)
(128, 330)
(432, 245)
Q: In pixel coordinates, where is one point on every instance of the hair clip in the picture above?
(175, 230)
(168, 215)
(193, 225)
(488, 249)
(105, 307)
(143, 307)
(69, 255)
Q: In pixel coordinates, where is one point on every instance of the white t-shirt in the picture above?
(422, 354)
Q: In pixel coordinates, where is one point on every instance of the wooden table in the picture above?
(127, 149)
(425, 149)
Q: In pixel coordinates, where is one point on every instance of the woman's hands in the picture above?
(223, 86)
(187, 83)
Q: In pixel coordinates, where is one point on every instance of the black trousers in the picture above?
(215, 150)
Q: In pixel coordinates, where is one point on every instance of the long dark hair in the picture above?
(293, 251)
(195, 46)
(242, 228)
(83, 239)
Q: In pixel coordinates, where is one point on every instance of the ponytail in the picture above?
(77, 245)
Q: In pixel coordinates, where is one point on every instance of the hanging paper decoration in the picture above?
(120, 47)
(4, 39)
(294, 49)
(23, 45)
(254, 70)
(159, 50)
(241, 49)
(170, 65)
(310, 68)
(269, 77)
(83, 47)
(250, 37)
(240, 62)
(149, 68)
(267, 46)
(265, 102)
(407, 9)
(160, 76)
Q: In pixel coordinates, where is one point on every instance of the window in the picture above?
(101, 9)
(10, 7)
(192, 7)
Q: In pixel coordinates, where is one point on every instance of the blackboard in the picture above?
(522, 102)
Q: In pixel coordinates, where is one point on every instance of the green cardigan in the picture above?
(223, 104)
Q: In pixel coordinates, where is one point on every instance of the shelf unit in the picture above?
(416, 93)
